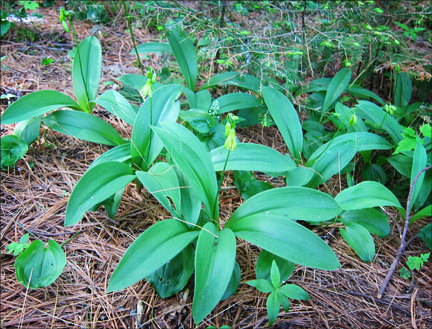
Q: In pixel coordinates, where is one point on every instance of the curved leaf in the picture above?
(332, 161)
(336, 87)
(358, 91)
(42, 266)
(152, 48)
(35, 104)
(285, 238)
(250, 157)
(273, 306)
(184, 52)
(419, 163)
(192, 160)
(83, 126)
(287, 120)
(291, 202)
(360, 240)
(120, 153)
(370, 218)
(136, 81)
(146, 146)
(161, 181)
(86, 71)
(152, 249)
(236, 101)
(28, 130)
(234, 79)
(366, 195)
(403, 90)
(115, 103)
(96, 185)
(214, 265)
(294, 292)
(377, 115)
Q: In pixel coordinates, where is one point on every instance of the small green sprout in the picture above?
(18, 248)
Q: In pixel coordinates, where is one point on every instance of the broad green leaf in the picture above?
(426, 235)
(248, 185)
(287, 120)
(250, 157)
(294, 292)
(86, 71)
(12, 149)
(174, 275)
(161, 181)
(193, 161)
(234, 282)
(419, 163)
(190, 205)
(366, 195)
(234, 79)
(425, 191)
(275, 275)
(236, 101)
(403, 90)
(402, 163)
(39, 265)
(285, 238)
(284, 301)
(28, 130)
(299, 203)
(364, 141)
(299, 176)
(360, 240)
(378, 116)
(264, 263)
(331, 162)
(345, 113)
(145, 145)
(115, 103)
(200, 100)
(35, 104)
(358, 91)
(214, 138)
(83, 126)
(370, 218)
(152, 48)
(214, 264)
(373, 172)
(184, 52)
(425, 212)
(120, 153)
(273, 306)
(96, 185)
(262, 285)
(337, 86)
(136, 81)
(152, 249)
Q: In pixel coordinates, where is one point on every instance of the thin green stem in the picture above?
(68, 240)
(216, 219)
(132, 37)
(382, 122)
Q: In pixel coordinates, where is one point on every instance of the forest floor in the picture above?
(34, 196)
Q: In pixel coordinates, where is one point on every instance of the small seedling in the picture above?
(413, 263)
(18, 248)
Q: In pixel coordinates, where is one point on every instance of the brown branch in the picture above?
(403, 243)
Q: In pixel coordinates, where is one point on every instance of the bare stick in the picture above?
(403, 243)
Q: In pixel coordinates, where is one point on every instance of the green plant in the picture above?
(410, 32)
(271, 279)
(413, 263)
(19, 247)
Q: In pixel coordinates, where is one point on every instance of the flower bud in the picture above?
(153, 78)
(352, 120)
(227, 129)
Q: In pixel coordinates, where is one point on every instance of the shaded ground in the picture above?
(35, 197)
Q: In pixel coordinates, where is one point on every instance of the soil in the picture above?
(35, 193)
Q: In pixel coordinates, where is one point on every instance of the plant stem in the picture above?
(67, 241)
(132, 37)
(218, 191)
(403, 243)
